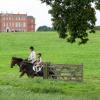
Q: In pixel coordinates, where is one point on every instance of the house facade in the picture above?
(16, 23)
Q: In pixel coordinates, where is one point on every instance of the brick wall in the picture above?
(30, 24)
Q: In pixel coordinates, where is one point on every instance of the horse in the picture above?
(24, 66)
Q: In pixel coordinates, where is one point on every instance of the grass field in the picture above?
(54, 50)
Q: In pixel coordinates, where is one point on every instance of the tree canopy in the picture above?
(45, 28)
(72, 18)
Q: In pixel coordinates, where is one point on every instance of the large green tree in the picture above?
(72, 18)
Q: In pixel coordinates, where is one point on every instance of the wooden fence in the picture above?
(66, 72)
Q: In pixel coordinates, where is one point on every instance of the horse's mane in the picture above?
(15, 58)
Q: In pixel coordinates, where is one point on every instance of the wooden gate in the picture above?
(67, 72)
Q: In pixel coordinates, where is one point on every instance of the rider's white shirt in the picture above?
(32, 57)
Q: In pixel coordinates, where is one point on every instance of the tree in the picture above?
(97, 28)
(72, 18)
(45, 28)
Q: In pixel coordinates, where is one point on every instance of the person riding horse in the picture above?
(27, 66)
(38, 64)
(32, 56)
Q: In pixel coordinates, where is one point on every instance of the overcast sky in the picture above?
(32, 7)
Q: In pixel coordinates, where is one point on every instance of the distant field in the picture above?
(54, 50)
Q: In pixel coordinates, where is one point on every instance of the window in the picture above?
(24, 24)
(16, 17)
(19, 18)
(17, 24)
(20, 24)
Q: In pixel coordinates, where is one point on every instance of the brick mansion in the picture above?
(16, 23)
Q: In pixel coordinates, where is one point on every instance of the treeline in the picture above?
(45, 28)
(97, 28)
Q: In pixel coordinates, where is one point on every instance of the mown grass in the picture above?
(54, 50)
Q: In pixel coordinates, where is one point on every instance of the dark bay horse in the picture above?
(24, 66)
(27, 68)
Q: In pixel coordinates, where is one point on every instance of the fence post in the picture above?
(45, 72)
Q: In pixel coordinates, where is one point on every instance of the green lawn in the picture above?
(54, 50)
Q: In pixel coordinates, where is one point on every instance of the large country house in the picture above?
(16, 23)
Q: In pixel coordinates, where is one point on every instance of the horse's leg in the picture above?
(28, 74)
(22, 74)
(32, 75)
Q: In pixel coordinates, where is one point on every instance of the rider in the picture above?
(32, 56)
(38, 63)
(39, 59)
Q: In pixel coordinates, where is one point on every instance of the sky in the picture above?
(34, 8)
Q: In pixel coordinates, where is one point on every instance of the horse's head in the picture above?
(15, 61)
